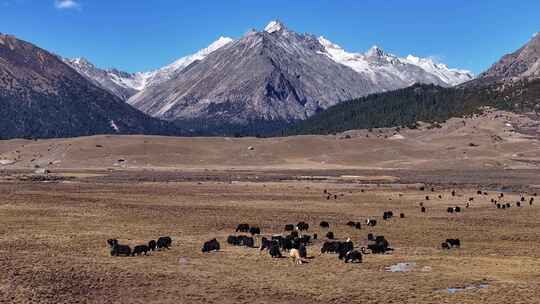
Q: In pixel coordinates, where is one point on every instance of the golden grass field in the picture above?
(53, 233)
(53, 246)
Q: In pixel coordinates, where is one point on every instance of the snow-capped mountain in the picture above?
(125, 85)
(393, 72)
(278, 74)
(121, 84)
(271, 75)
(165, 73)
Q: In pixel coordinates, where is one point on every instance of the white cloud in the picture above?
(66, 4)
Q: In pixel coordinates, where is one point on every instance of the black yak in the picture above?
(140, 249)
(212, 245)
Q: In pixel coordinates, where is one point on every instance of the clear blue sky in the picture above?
(138, 35)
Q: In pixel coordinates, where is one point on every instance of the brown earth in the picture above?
(53, 231)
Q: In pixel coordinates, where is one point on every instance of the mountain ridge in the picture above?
(41, 97)
(293, 76)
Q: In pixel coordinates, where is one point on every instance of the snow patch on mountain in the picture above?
(163, 74)
(381, 66)
(125, 85)
(274, 26)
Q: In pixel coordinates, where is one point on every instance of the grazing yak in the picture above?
(351, 223)
(275, 252)
(450, 210)
(423, 210)
(303, 251)
(358, 225)
(453, 242)
(289, 227)
(531, 201)
(242, 228)
(371, 222)
(370, 237)
(315, 236)
(212, 245)
(387, 215)
(427, 197)
(285, 243)
(402, 215)
(267, 244)
(353, 256)
(295, 255)
(117, 249)
(344, 248)
(140, 249)
(453, 192)
(445, 245)
(330, 235)
(254, 230)
(163, 242)
(379, 245)
(324, 224)
(304, 239)
(152, 245)
(241, 240)
(330, 247)
(302, 226)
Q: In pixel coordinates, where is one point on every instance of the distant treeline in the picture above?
(400, 108)
(427, 103)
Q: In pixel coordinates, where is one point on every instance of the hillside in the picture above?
(42, 97)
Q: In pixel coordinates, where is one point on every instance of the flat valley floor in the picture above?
(53, 230)
(53, 250)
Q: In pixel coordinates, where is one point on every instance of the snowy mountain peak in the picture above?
(125, 85)
(328, 44)
(81, 61)
(274, 26)
(375, 51)
(222, 41)
(391, 71)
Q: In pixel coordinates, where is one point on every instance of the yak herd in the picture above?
(295, 239)
(118, 249)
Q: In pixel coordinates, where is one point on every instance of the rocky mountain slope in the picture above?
(394, 72)
(525, 62)
(511, 84)
(197, 98)
(124, 85)
(279, 75)
(41, 96)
